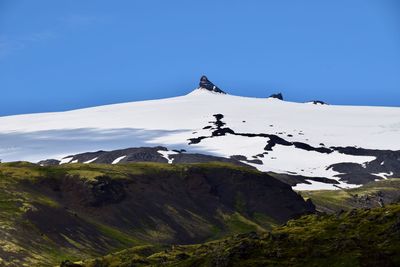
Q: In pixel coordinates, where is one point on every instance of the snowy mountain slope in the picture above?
(252, 122)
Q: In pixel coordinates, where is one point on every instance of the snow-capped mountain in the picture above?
(350, 145)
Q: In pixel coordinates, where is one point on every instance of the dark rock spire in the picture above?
(277, 96)
(206, 84)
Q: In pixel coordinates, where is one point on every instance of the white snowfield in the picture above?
(171, 122)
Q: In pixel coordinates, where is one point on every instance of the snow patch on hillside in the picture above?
(90, 161)
(166, 155)
(65, 160)
(117, 160)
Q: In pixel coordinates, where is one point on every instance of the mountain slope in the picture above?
(75, 211)
(371, 195)
(292, 138)
(355, 238)
(141, 154)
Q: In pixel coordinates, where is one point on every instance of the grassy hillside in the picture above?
(75, 211)
(371, 195)
(363, 237)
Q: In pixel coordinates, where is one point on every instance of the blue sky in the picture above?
(60, 55)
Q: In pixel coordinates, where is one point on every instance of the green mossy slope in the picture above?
(75, 211)
(364, 237)
(370, 195)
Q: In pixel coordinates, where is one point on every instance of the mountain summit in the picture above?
(277, 96)
(207, 84)
(318, 144)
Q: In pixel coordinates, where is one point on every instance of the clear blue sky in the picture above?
(60, 55)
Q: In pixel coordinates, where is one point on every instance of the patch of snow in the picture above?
(383, 162)
(384, 175)
(118, 159)
(74, 161)
(204, 91)
(166, 154)
(65, 160)
(322, 186)
(90, 161)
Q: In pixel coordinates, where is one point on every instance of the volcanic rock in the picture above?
(207, 84)
(277, 96)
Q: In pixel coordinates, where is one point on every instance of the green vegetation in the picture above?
(237, 223)
(19, 199)
(42, 224)
(373, 194)
(75, 212)
(264, 221)
(356, 238)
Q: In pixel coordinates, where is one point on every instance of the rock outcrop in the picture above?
(208, 85)
(277, 96)
(318, 102)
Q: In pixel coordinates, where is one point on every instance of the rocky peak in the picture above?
(208, 85)
(318, 102)
(277, 96)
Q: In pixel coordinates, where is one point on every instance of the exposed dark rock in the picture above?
(307, 147)
(99, 191)
(318, 102)
(274, 140)
(243, 158)
(149, 154)
(176, 197)
(310, 204)
(387, 161)
(207, 84)
(200, 158)
(277, 96)
(179, 151)
(104, 191)
(139, 154)
(196, 140)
